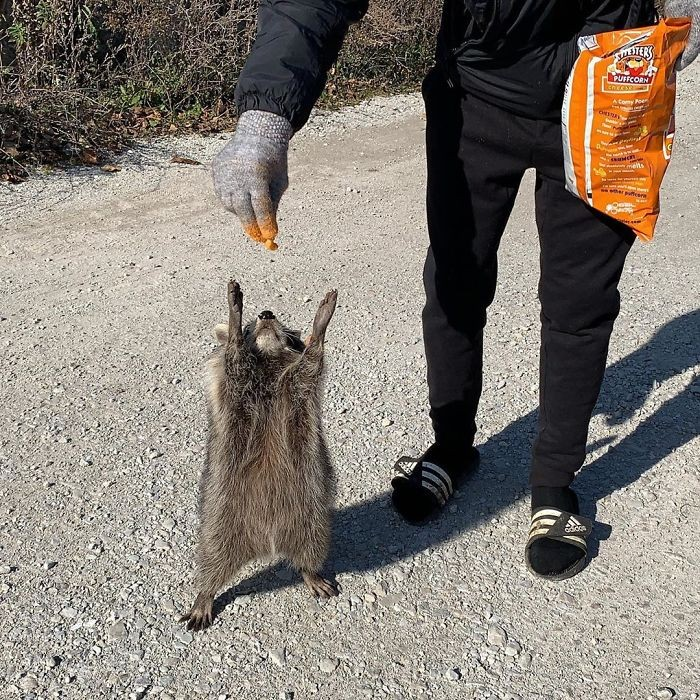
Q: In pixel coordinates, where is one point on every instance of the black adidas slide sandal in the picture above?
(555, 524)
(426, 488)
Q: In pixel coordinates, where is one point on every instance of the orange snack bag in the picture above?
(618, 121)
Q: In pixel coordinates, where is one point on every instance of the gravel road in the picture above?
(111, 284)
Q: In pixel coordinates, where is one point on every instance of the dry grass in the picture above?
(79, 78)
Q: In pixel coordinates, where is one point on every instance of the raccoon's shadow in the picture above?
(370, 535)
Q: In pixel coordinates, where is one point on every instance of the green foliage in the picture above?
(17, 33)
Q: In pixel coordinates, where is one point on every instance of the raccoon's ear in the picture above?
(221, 333)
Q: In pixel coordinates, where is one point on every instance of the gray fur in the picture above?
(268, 485)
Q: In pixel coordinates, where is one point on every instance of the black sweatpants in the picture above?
(477, 155)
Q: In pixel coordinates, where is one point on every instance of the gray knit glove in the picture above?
(686, 8)
(250, 173)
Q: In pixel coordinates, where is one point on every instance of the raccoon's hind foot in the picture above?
(319, 586)
(201, 615)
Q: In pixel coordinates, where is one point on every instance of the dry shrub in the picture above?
(79, 76)
(389, 50)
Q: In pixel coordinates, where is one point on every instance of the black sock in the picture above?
(414, 501)
(456, 460)
(551, 557)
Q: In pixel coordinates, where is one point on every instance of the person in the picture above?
(493, 106)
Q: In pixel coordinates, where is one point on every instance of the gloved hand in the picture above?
(250, 173)
(686, 8)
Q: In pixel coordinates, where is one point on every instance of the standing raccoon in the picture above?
(268, 485)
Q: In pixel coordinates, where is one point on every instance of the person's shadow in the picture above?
(370, 534)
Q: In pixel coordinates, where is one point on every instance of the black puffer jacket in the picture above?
(513, 53)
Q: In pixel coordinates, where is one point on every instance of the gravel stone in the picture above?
(496, 636)
(184, 636)
(453, 674)
(328, 665)
(665, 693)
(169, 606)
(390, 601)
(279, 656)
(28, 683)
(525, 661)
(513, 648)
(117, 631)
(141, 683)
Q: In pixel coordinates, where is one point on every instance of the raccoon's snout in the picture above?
(268, 334)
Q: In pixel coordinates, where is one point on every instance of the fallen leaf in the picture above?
(111, 168)
(89, 157)
(183, 160)
(12, 178)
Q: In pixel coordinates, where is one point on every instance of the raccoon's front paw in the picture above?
(324, 314)
(201, 615)
(235, 297)
(319, 586)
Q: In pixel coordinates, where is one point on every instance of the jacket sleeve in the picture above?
(608, 15)
(297, 42)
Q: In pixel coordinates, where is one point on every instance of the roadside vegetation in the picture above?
(80, 79)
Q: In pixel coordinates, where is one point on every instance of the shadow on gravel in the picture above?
(370, 535)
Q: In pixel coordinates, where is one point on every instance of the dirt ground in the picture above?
(111, 284)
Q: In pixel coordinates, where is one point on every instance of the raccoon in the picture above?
(268, 485)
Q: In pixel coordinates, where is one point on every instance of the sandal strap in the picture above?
(429, 476)
(556, 524)
(398, 466)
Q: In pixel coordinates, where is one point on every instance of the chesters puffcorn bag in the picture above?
(618, 120)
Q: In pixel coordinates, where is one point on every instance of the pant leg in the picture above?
(476, 156)
(581, 261)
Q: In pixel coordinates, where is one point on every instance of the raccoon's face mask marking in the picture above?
(270, 338)
(266, 336)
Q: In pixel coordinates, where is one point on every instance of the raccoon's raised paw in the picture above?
(201, 615)
(324, 314)
(319, 586)
(235, 296)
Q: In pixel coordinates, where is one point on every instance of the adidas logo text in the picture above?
(574, 525)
